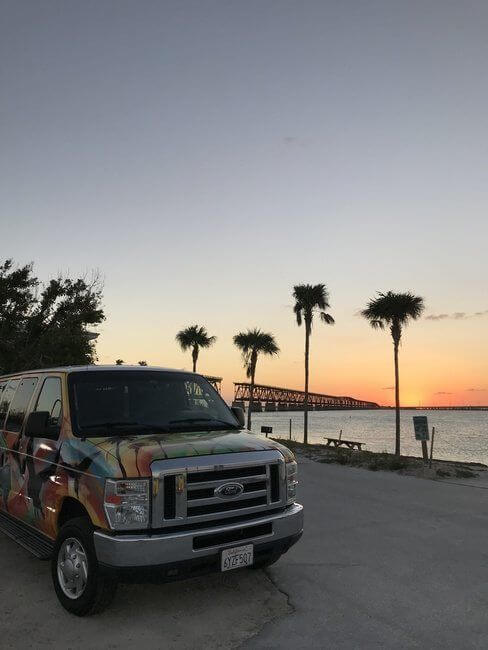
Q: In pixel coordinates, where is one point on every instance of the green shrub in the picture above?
(465, 473)
(442, 473)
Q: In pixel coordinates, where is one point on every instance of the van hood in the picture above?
(131, 456)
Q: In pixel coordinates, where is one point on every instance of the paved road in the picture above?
(219, 611)
(385, 562)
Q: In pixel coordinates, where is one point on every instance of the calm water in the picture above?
(460, 435)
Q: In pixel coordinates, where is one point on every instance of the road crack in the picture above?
(281, 590)
(290, 609)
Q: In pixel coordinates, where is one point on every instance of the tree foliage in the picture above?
(44, 325)
(310, 298)
(393, 310)
(194, 337)
(251, 344)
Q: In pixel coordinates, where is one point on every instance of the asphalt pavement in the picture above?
(385, 562)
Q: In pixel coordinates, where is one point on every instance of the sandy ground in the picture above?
(386, 561)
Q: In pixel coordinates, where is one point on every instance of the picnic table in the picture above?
(339, 442)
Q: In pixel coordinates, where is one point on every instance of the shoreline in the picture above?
(459, 436)
(377, 461)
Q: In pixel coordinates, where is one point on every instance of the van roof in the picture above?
(69, 369)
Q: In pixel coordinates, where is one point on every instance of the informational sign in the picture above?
(421, 426)
(266, 430)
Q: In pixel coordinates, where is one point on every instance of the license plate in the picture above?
(233, 558)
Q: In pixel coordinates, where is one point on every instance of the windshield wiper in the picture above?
(225, 423)
(125, 423)
(166, 427)
(109, 423)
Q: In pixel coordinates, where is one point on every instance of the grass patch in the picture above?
(383, 461)
(354, 458)
(465, 473)
(442, 473)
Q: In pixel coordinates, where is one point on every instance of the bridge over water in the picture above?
(466, 407)
(273, 398)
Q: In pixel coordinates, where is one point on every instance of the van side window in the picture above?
(50, 400)
(20, 402)
(6, 398)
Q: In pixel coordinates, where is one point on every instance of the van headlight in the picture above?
(291, 481)
(127, 503)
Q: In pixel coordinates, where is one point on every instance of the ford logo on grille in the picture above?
(229, 490)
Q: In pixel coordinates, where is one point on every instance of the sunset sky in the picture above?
(205, 156)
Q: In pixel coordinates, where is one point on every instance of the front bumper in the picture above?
(276, 531)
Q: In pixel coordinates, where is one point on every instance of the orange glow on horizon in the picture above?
(440, 364)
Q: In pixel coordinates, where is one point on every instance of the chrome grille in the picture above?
(185, 490)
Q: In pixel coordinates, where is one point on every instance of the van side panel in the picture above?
(37, 474)
(44, 474)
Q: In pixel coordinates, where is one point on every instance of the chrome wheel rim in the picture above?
(72, 568)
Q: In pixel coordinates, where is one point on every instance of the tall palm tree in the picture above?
(251, 344)
(309, 299)
(194, 338)
(119, 362)
(142, 363)
(394, 310)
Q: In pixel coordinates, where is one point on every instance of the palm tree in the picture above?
(142, 363)
(194, 337)
(251, 344)
(394, 310)
(119, 362)
(310, 298)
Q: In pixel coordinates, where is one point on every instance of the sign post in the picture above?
(431, 447)
(421, 427)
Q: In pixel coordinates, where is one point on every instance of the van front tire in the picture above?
(81, 586)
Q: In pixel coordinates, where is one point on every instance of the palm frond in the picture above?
(194, 335)
(390, 307)
(255, 342)
(310, 298)
(327, 318)
(377, 324)
(298, 313)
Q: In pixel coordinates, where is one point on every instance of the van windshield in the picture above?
(144, 401)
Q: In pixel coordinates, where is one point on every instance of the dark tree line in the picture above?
(43, 325)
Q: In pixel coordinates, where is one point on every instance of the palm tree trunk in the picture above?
(251, 396)
(194, 356)
(305, 405)
(397, 402)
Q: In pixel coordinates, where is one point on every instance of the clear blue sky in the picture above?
(206, 156)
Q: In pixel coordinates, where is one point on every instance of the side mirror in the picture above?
(239, 413)
(37, 426)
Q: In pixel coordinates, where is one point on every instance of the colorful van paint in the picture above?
(37, 475)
